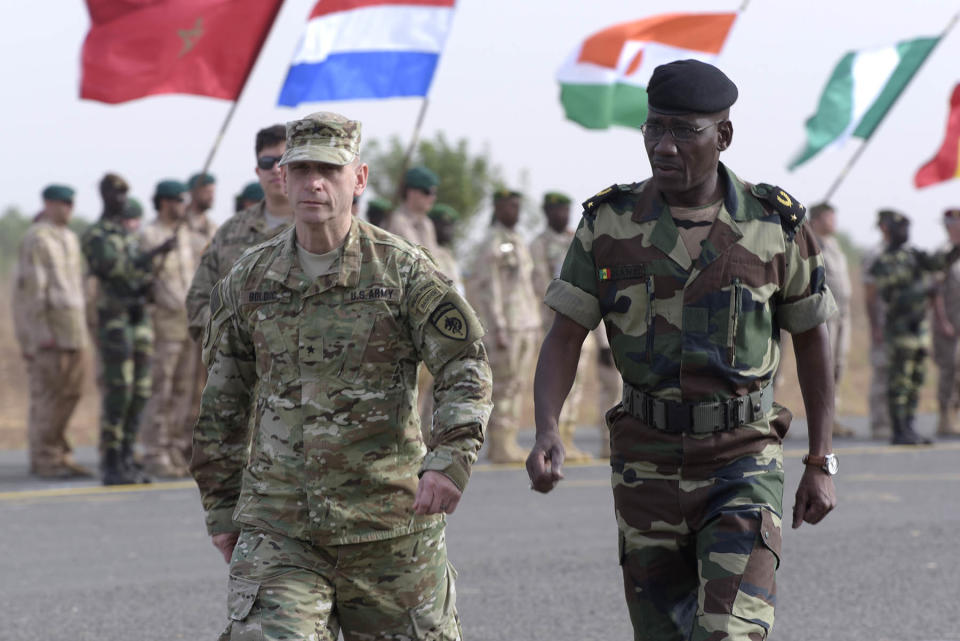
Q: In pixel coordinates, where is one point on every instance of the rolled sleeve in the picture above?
(805, 299)
(806, 313)
(581, 307)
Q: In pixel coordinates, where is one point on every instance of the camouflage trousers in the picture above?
(165, 417)
(126, 348)
(906, 370)
(699, 520)
(945, 357)
(512, 369)
(56, 384)
(879, 409)
(399, 589)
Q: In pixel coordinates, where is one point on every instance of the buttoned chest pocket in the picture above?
(276, 336)
(366, 344)
(628, 301)
(750, 323)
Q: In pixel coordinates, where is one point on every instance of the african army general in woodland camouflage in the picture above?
(330, 367)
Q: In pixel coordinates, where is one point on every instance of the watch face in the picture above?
(832, 464)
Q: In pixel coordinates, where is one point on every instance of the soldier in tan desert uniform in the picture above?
(500, 286)
(49, 303)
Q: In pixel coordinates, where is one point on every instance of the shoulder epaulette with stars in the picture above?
(591, 204)
(790, 210)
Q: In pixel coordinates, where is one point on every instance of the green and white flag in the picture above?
(863, 87)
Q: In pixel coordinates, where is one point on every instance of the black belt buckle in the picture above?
(679, 417)
(739, 417)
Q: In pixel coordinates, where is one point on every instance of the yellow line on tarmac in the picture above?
(93, 490)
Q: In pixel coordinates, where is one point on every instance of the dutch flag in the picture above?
(356, 49)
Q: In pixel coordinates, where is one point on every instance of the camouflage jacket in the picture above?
(49, 300)
(114, 256)
(902, 277)
(241, 232)
(703, 330)
(548, 250)
(329, 369)
(173, 272)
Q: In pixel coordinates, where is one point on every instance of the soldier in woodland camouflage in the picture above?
(308, 448)
(876, 312)
(902, 275)
(49, 310)
(946, 334)
(123, 272)
(693, 272)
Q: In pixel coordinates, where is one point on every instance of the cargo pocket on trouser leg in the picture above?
(241, 594)
(757, 595)
(436, 619)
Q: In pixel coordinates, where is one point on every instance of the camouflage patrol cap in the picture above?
(133, 209)
(555, 198)
(252, 191)
(169, 188)
(380, 205)
(200, 179)
(323, 136)
(61, 193)
(444, 213)
(420, 178)
(888, 217)
(689, 86)
(504, 192)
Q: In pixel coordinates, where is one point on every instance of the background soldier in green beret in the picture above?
(203, 189)
(445, 219)
(946, 332)
(123, 271)
(902, 275)
(172, 370)
(378, 209)
(500, 285)
(250, 195)
(260, 222)
(692, 273)
(308, 449)
(49, 308)
(409, 220)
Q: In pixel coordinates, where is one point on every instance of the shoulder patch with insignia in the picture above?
(430, 297)
(591, 204)
(450, 322)
(216, 300)
(790, 210)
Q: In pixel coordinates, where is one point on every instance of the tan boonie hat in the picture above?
(322, 137)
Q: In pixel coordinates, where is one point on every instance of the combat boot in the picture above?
(503, 448)
(114, 472)
(572, 452)
(133, 468)
(904, 434)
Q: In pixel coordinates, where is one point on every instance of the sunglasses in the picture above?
(267, 162)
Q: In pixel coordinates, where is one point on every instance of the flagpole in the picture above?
(410, 147)
(859, 152)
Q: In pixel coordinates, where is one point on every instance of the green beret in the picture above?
(504, 192)
(200, 180)
(555, 198)
(380, 205)
(169, 189)
(252, 191)
(58, 192)
(689, 86)
(444, 213)
(891, 217)
(420, 178)
(133, 209)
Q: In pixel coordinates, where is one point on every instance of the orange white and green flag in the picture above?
(603, 82)
(946, 164)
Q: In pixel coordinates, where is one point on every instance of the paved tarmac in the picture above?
(87, 563)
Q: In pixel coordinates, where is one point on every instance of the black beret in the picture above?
(690, 86)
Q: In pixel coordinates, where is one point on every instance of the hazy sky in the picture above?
(496, 87)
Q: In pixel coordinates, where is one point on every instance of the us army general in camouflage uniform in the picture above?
(308, 445)
(902, 275)
(693, 321)
(123, 272)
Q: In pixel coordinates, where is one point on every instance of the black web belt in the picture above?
(697, 418)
